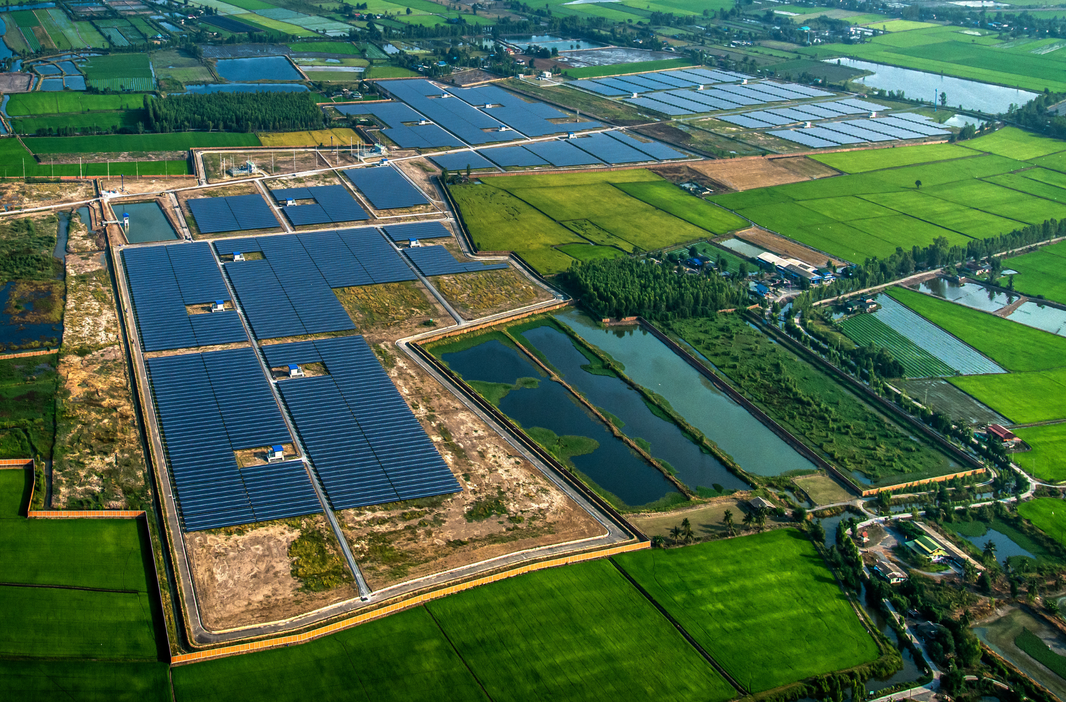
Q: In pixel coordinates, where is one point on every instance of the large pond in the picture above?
(969, 294)
(1033, 314)
(259, 68)
(546, 41)
(693, 466)
(147, 222)
(1005, 547)
(613, 465)
(968, 94)
(247, 88)
(651, 364)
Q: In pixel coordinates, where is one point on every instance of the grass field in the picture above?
(574, 633)
(88, 123)
(1014, 143)
(542, 216)
(16, 160)
(878, 159)
(43, 103)
(27, 394)
(865, 329)
(84, 681)
(343, 137)
(1047, 459)
(175, 64)
(1048, 515)
(120, 71)
(178, 141)
(765, 606)
(1040, 272)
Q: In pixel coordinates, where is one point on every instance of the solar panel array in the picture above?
(362, 439)
(562, 153)
(394, 114)
(332, 204)
(471, 125)
(459, 161)
(386, 188)
(857, 131)
(437, 260)
(417, 230)
(231, 214)
(163, 280)
(723, 97)
(661, 80)
(289, 292)
(511, 156)
(761, 119)
(528, 118)
(209, 406)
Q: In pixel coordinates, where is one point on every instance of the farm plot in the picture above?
(178, 141)
(1015, 143)
(771, 624)
(1040, 272)
(174, 64)
(120, 72)
(85, 681)
(868, 330)
(28, 24)
(1046, 514)
(879, 159)
(42, 103)
(1038, 396)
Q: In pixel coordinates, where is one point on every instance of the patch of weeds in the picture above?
(316, 562)
(485, 508)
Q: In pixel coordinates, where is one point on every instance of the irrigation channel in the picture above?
(521, 389)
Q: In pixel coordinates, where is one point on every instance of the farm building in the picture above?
(758, 503)
(926, 546)
(791, 268)
(1001, 434)
(889, 572)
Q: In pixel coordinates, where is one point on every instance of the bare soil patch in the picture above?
(306, 181)
(505, 506)
(244, 575)
(276, 161)
(489, 292)
(146, 184)
(748, 173)
(22, 194)
(15, 82)
(82, 240)
(785, 247)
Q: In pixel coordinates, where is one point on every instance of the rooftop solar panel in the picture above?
(417, 230)
(511, 156)
(459, 161)
(562, 154)
(437, 260)
(385, 188)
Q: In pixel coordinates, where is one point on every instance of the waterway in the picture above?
(1005, 547)
(613, 465)
(651, 364)
(968, 94)
(5, 52)
(971, 295)
(147, 222)
(693, 466)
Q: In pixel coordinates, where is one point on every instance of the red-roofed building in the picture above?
(1004, 435)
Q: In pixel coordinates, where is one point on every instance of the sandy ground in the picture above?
(786, 247)
(421, 172)
(145, 184)
(244, 575)
(748, 173)
(394, 543)
(307, 181)
(485, 293)
(82, 240)
(21, 194)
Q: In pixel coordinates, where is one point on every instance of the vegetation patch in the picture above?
(316, 560)
(1038, 649)
(86, 681)
(1048, 515)
(27, 406)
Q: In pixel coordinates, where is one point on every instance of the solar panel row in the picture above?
(456, 116)
(363, 441)
(229, 214)
(857, 131)
(437, 260)
(333, 204)
(163, 280)
(385, 188)
(417, 230)
(459, 161)
(658, 81)
(394, 114)
(209, 406)
(528, 118)
(727, 97)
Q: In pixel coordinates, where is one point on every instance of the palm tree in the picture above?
(749, 519)
(990, 550)
(686, 529)
(727, 519)
(675, 533)
(658, 541)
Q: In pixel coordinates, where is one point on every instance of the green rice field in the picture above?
(88, 123)
(1048, 515)
(865, 329)
(84, 681)
(177, 141)
(1040, 272)
(764, 606)
(1045, 460)
(543, 216)
(128, 72)
(911, 196)
(574, 633)
(44, 103)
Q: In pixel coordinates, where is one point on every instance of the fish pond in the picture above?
(971, 295)
(259, 68)
(1039, 316)
(1010, 544)
(652, 365)
(247, 88)
(553, 417)
(147, 222)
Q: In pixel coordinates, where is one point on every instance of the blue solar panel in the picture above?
(394, 114)
(332, 204)
(210, 405)
(562, 153)
(610, 150)
(508, 156)
(267, 307)
(385, 188)
(658, 106)
(459, 161)
(437, 260)
(363, 441)
(800, 138)
(654, 149)
(163, 280)
(599, 88)
(227, 214)
(377, 256)
(417, 230)
(528, 118)
(471, 125)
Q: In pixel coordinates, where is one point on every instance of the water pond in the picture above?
(743, 248)
(546, 41)
(651, 364)
(968, 94)
(5, 52)
(14, 333)
(693, 466)
(968, 294)
(147, 222)
(612, 464)
(1033, 314)
(52, 85)
(247, 88)
(258, 68)
(1006, 548)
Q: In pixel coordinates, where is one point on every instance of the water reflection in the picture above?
(971, 295)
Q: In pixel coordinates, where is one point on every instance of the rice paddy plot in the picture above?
(878, 159)
(1046, 460)
(38, 103)
(1038, 396)
(575, 633)
(1047, 514)
(1015, 143)
(120, 72)
(176, 141)
(85, 681)
(868, 330)
(1040, 272)
(764, 606)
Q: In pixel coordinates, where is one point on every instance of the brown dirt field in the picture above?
(391, 311)
(421, 177)
(99, 455)
(395, 543)
(15, 82)
(146, 184)
(785, 247)
(748, 173)
(116, 157)
(308, 181)
(40, 194)
(706, 518)
(806, 167)
(823, 490)
(244, 575)
(486, 293)
(685, 172)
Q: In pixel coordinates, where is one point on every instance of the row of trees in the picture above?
(626, 287)
(234, 112)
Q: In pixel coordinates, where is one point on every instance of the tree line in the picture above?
(234, 112)
(625, 287)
